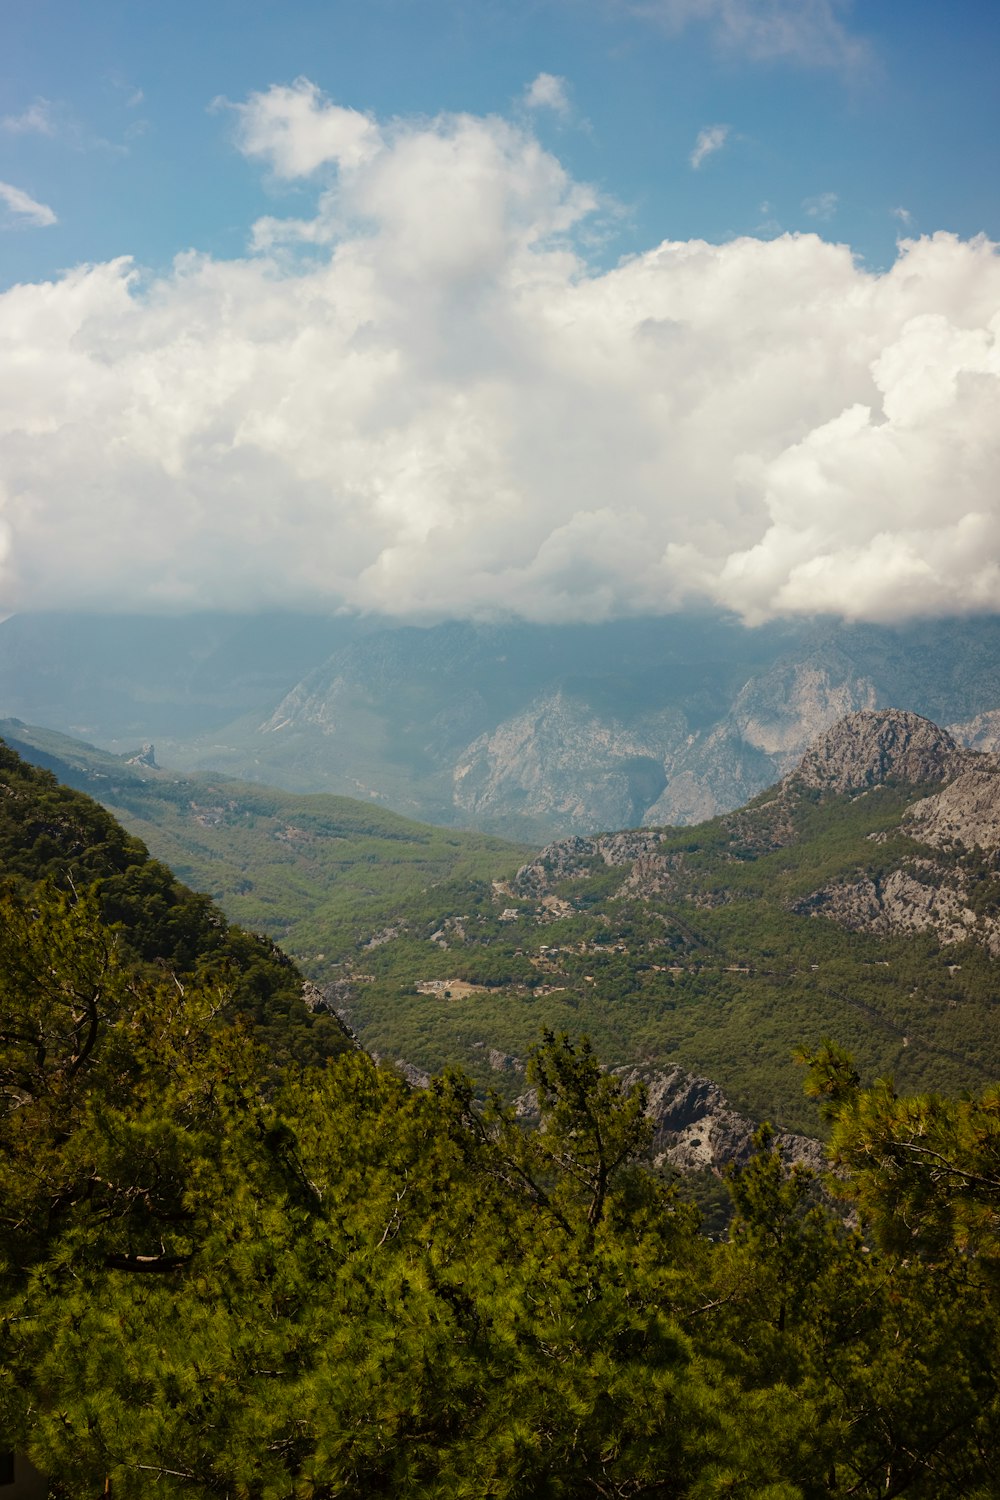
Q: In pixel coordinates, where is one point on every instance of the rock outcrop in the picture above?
(875, 747)
(144, 757)
(575, 858)
(966, 812)
(695, 1127)
(917, 898)
(924, 893)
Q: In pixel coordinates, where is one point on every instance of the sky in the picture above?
(561, 309)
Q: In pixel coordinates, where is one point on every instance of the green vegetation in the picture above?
(56, 843)
(213, 1285)
(715, 972)
(238, 1259)
(316, 873)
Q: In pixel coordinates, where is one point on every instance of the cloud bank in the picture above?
(422, 400)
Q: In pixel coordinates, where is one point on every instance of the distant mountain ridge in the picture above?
(527, 731)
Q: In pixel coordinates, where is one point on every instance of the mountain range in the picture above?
(527, 731)
(857, 898)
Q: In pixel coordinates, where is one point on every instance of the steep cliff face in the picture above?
(938, 892)
(873, 748)
(981, 732)
(561, 762)
(695, 1126)
(774, 717)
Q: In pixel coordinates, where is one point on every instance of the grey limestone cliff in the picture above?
(933, 889)
(874, 747)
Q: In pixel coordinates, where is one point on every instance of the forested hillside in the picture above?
(59, 849)
(303, 869)
(865, 909)
(238, 1259)
(824, 908)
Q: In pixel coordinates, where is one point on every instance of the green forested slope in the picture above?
(339, 1287)
(713, 972)
(58, 843)
(440, 957)
(237, 1262)
(316, 873)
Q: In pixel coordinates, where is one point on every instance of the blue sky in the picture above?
(109, 121)
(566, 309)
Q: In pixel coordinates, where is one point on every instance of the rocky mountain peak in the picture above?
(874, 746)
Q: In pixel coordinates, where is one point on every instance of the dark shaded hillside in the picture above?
(54, 837)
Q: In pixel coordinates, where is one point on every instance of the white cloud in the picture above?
(710, 140)
(548, 91)
(442, 409)
(25, 208)
(904, 216)
(823, 206)
(808, 33)
(37, 119)
(296, 130)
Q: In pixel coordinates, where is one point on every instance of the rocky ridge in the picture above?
(930, 891)
(926, 892)
(874, 748)
(695, 1128)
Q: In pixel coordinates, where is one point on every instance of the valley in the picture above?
(857, 899)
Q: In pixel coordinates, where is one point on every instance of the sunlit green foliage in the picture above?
(349, 1288)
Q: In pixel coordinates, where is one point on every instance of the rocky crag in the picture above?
(952, 835)
(701, 943)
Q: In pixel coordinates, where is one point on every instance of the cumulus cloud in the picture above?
(548, 91)
(443, 409)
(711, 139)
(296, 130)
(25, 209)
(808, 33)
